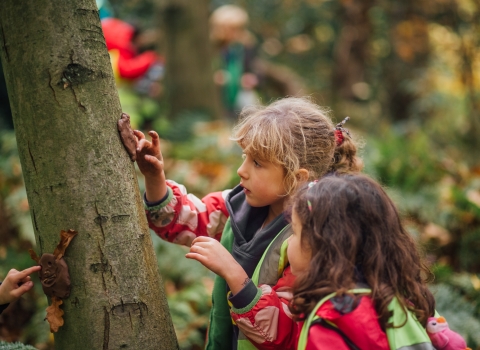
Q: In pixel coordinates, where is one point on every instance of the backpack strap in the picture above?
(407, 332)
(322, 322)
(273, 261)
(302, 340)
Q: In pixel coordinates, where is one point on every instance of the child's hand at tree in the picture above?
(149, 155)
(15, 284)
(150, 163)
(211, 254)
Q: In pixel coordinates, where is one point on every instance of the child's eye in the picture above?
(257, 164)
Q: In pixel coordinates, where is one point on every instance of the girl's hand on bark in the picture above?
(149, 155)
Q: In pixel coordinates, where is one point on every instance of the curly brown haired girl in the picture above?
(358, 270)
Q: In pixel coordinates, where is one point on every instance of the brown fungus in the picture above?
(127, 136)
(55, 278)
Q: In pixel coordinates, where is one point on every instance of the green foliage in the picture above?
(468, 285)
(408, 166)
(180, 129)
(15, 346)
(175, 267)
(469, 245)
(406, 161)
(12, 190)
(463, 204)
(141, 109)
(430, 187)
(10, 170)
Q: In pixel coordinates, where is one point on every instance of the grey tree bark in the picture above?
(78, 175)
(188, 53)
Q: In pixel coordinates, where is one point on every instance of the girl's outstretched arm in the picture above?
(16, 283)
(174, 214)
(180, 217)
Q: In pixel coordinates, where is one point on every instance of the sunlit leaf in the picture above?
(54, 315)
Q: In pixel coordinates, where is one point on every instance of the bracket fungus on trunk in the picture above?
(55, 278)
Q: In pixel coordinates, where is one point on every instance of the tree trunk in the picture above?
(78, 175)
(351, 50)
(408, 60)
(468, 48)
(188, 53)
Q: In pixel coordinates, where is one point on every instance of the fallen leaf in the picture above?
(475, 281)
(34, 256)
(65, 238)
(54, 315)
(474, 197)
(436, 232)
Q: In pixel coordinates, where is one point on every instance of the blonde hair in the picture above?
(229, 15)
(292, 132)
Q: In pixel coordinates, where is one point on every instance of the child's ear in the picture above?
(302, 175)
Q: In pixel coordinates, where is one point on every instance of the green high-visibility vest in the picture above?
(268, 270)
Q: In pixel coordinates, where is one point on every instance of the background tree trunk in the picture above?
(78, 175)
(468, 44)
(188, 53)
(351, 50)
(409, 56)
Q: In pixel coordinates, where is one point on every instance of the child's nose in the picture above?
(241, 171)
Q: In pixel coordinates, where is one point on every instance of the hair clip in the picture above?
(310, 185)
(339, 129)
(309, 204)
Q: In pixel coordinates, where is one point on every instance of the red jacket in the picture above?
(180, 217)
(118, 36)
(268, 323)
(360, 325)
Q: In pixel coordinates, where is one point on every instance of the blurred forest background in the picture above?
(406, 72)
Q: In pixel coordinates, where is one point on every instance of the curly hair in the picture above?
(355, 234)
(345, 160)
(295, 133)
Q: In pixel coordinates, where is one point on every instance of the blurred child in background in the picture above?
(132, 55)
(236, 48)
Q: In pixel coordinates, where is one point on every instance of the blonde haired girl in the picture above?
(240, 234)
